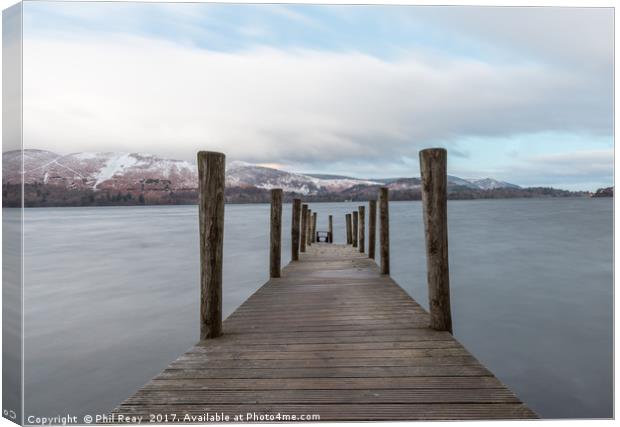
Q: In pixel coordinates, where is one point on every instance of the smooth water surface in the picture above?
(111, 294)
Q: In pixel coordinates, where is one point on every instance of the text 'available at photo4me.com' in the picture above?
(206, 417)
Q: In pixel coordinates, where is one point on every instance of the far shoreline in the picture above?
(309, 202)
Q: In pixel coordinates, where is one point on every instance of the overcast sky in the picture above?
(519, 94)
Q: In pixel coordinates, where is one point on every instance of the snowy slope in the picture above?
(137, 172)
(98, 170)
(246, 174)
(490, 184)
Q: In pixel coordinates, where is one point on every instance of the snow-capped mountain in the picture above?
(98, 171)
(491, 184)
(455, 180)
(242, 174)
(136, 173)
(130, 171)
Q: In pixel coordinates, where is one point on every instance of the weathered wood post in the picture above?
(309, 228)
(362, 229)
(355, 231)
(275, 245)
(314, 227)
(296, 210)
(211, 178)
(372, 228)
(384, 220)
(349, 227)
(330, 230)
(304, 227)
(433, 171)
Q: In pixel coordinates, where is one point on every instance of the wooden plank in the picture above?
(165, 397)
(198, 361)
(335, 372)
(446, 382)
(333, 336)
(332, 354)
(331, 346)
(391, 337)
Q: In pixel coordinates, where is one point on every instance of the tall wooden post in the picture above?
(309, 228)
(349, 227)
(372, 228)
(313, 227)
(211, 180)
(362, 229)
(384, 220)
(330, 230)
(296, 212)
(304, 227)
(355, 218)
(433, 171)
(275, 245)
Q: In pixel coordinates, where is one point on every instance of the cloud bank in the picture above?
(305, 107)
(144, 94)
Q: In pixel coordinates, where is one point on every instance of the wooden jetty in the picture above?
(329, 337)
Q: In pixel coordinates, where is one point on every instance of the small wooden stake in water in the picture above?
(349, 227)
(211, 180)
(296, 212)
(433, 171)
(276, 233)
(362, 229)
(314, 227)
(330, 230)
(309, 228)
(355, 236)
(304, 228)
(384, 220)
(372, 228)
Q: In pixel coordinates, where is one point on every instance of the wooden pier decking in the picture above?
(332, 337)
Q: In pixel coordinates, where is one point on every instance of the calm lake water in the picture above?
(111, 294)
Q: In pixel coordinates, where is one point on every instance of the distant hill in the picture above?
(101, 179)
(604, 192)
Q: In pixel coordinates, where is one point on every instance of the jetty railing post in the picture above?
(314, 215)
(349, 227)
(275, 245)
(304, 228)
(355, 217)
(433, 171)
(309, 228)
(211, 178)
(384, 220)
(296, 212)
(372, 228)
(362, 229)
(330, 230)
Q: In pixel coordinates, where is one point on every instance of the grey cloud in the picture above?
(267, 105)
